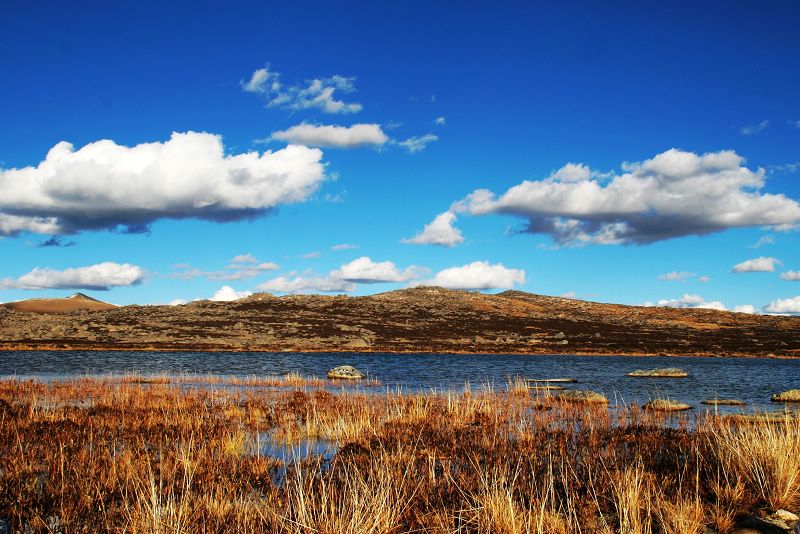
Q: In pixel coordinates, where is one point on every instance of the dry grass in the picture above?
(176, 455)
(765, 456)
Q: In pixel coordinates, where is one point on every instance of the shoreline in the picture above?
(38, 348)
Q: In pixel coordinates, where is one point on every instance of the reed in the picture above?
(118, 454)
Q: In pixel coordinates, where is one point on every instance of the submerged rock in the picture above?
(345, 372)
(792, 395)
(584, 396)
(724, 402)
(552, 380)
(666, 405)
(668, 372)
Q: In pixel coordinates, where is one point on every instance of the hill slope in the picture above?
(410, 320)
(75, 302)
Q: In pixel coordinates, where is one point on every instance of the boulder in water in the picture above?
(724, 402)
(792, 395)
(666, 405)
(669, 372)
(583, 396)
(345, 372)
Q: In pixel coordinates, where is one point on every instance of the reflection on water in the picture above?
(751, 380)
(289, 454)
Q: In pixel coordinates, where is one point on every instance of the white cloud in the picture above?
(763, 240)
(99, 277)
(344, 246)
(310, 255)
(756, 265)
(439, 232)
(228, 294)
(689, 301)
(418, 143)
(177, 302)
(674, 194)
(241, 267)
(790, 305)
(793, 276)
(704, 279)
(301, 284)
(752, 129)
(365, 271)
(478, 275)
(745, 308)
(104, 185)
(569, 295)
(440, 121)
(677, 276)
(332, 136)
(262, 81)
(319, 93)
(244, 258)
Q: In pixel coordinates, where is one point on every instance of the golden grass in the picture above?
(178, 454)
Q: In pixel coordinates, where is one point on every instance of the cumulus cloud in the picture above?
(745, 308)
(689, 301)
(756, 265)
(752, 129)
(440, 231)
(365, 271)
(331, 136)
(319, 93)
(106, 186)
(793, 276)
(99, 277)
(344, 246)
(674, 194)
(440, 121)
(228, 294)
(790, 305)
(478, 275)
(177, 302)
(302, 284)
(418, 143)
(676, 276)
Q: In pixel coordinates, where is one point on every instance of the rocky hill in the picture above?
(424, 319)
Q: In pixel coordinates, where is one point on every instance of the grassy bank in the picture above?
(173, 454)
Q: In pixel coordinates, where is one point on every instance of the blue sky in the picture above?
(604, 151)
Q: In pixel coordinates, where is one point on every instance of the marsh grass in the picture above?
(174, 455)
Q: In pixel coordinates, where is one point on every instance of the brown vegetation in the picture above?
(168, 454)
(424, 319)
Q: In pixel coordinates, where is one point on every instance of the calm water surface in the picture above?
(751, 380)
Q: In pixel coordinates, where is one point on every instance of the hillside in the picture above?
(75, 302)
(411, 320)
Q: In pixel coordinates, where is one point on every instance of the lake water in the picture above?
(751, 380)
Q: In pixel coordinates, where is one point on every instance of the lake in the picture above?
(751, 380)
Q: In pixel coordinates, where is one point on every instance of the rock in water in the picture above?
(793, 395)
(666, 405)
(345, 372)
(669, 372)
(724, 402)
(584, 396)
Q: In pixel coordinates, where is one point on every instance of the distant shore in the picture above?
(46, 347)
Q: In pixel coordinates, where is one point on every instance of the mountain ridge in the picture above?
(421, 319)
